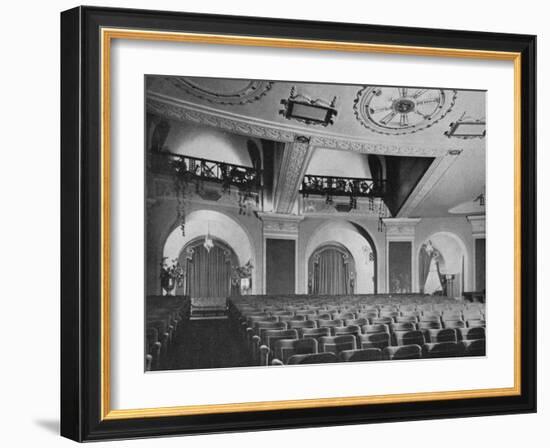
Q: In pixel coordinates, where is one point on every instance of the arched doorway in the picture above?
(222, 228)
(357, 241)
(331, 270)
(442, 265)
(208, 268)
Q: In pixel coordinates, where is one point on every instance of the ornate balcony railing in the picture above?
(194, 168)
(342, 186)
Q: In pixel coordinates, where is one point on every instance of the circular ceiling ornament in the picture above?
(223, 91)
(402, 110)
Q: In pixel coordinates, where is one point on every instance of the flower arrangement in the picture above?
(171, 274)
(240, 272)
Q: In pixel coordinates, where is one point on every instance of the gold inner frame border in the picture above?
(107, 35)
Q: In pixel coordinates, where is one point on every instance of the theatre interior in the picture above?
(292, 223)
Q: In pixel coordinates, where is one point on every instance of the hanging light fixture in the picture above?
(208, 243)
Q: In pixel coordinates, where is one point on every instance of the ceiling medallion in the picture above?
(401, 110)
(229, 91)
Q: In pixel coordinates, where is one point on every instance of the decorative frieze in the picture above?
(253, 127)
(402, 228)
(280, 225)
(478, 225)
(295, 160)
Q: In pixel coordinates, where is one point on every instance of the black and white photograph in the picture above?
(292, 223)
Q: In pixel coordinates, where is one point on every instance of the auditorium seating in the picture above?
(336, 344)
(402, 352)
(441, 350)
(359, 355)
(163, 319)
(294, 329)
(318, 358)
(285, 348)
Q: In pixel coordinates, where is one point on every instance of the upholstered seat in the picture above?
(359, 355)
(430, 317)
(283, 349)
(374, 340)
(409, 337)
(472, 333)
(344, 316)
(300, 324)
(315, 333)
(349, 329)
(268, 340)
(475, 323)
(288, 318)
(376, 328)
(406, 318)
(382, 320)
(403, 326)
(441, 350)
(454, 324)
(442, 335)
(325, 323)
(318, 358)
(359, 322)
(336, 344)
(413, 351)
(474, 347)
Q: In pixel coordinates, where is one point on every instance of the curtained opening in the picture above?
(331, 271)
(208, 273)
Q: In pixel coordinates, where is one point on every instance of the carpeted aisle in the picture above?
(207, 344)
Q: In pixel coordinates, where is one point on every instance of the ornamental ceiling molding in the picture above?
(180, 110)
(295, 161)
(374, 148)
(432, 176)
(402, 110)
(252, 91)
(241, 127)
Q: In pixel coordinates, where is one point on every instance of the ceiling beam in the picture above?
(428, 182)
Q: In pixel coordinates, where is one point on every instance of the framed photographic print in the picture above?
(276, 224)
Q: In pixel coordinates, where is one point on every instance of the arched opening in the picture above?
(358, 242)
(331, 271)
(221, 228)
(208, 268)
(442, 265)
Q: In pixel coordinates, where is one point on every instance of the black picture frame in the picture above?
(81, 225)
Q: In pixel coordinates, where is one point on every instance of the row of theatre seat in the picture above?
(280, 330)
(164, 316)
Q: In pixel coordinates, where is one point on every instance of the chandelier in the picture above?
(208, 243)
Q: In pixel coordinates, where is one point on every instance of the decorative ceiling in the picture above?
(402, 110)
(387, 121)
(222, 91)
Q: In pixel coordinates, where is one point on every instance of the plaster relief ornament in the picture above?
(402, 110)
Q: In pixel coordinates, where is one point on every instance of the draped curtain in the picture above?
(424, 261)
(208, 273)
(331, 273)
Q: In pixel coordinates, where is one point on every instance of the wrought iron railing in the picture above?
(205, 170)
(342, 186)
